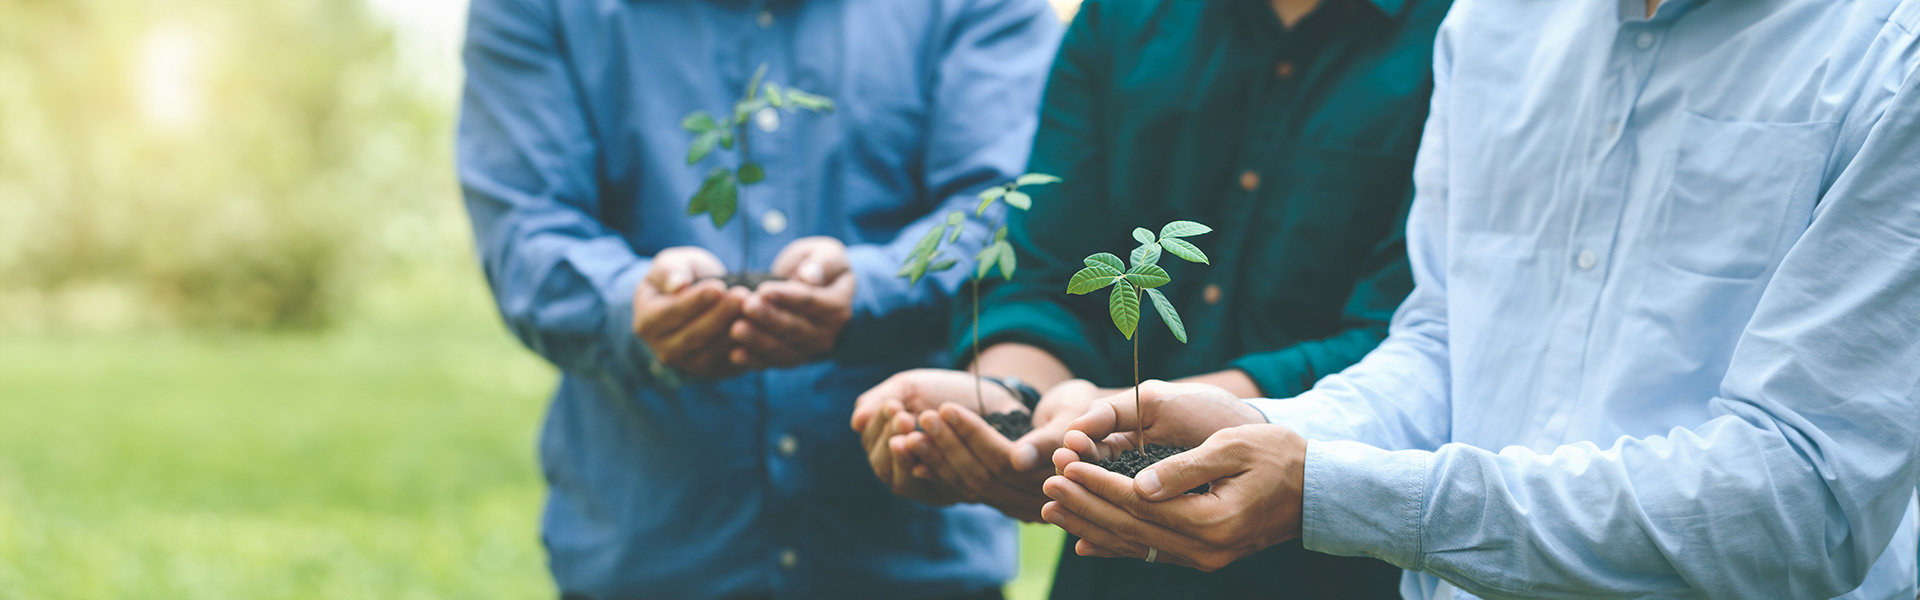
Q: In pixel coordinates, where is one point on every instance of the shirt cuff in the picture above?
(1387, 525)
(628, 359)
(1305, 415)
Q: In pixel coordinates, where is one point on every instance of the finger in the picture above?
(958, 458)
(806, 301)
(935, 457)
(1062, 458)
(866, 404)
(755, 347)
(664, 313)
(1105, 416)
(1181, 512)
(706, 329)
(1026, 452)
(787, 263)
(1056, 513)
(1084, 446)
(819, 268)
(874, 438)
(1176, 474)
(1123, 531)
(779, 320)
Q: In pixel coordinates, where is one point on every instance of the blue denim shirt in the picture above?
(573, 166)
(1664, 339)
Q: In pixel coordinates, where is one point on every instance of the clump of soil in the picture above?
(750, 279)
(1012, 424)
(1131, 462)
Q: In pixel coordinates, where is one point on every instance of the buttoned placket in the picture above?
(1586, 260)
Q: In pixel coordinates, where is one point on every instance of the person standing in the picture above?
(1288, 126)
(692, 448)
(1664, 339)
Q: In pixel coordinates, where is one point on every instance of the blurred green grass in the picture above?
(374, 460)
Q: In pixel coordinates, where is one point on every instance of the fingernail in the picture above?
(1148, 482)
(932, 425)
(1025, 457)
(810, 273)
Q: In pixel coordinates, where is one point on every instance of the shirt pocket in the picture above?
(1740, 190)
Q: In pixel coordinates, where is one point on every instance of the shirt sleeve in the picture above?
(1363, 324)
(1397, 395)
(981, 127)
(1793, 489)
(562, 280)
(1028, 309)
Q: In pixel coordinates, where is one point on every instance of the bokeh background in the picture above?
(244, 349)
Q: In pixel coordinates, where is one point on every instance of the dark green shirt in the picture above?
(1297, 147)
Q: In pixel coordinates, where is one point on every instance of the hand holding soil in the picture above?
(920, 390)
(796, 319)
(965, 452)
(1254, 474)
(1174, 414)
(885, 435)
(683, 319)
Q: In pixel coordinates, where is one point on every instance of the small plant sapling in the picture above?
(719, 196)
(1130, 284)
(995, 251)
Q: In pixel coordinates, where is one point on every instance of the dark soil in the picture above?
(1131, 462)
(750, 279)
(1011, 424)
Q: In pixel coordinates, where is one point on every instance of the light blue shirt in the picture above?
(1665, 336)
(573, 164)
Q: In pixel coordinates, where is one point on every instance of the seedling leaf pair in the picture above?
(719, 195)
(1123, 306)
(996, 252)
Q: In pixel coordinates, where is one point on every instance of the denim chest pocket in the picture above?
(1740, 191)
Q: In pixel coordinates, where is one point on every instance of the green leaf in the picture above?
(1184, 249)
(987, 197)
(1035, 179)
(1140, 234)
(752, 173)
(955, 217)
(1000, 235)
(919, 270)
(983, 262)
(754, 83)
(1108, 259)
(726, 136)
(703, 198)
(1090, 279)
(698, 122)
(773, 95)
(1124, 307)
(1184, 229)
(1169, 315)
(928, 242)
(1007, 260)
(906, 269)
(1019, 200)
(942, 265)
(809, 101)
(1146, 254)
(702, 146)
(725, 200)
(1148, 276)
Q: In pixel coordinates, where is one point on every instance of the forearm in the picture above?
(1034, 366)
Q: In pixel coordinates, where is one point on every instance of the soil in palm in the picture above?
(1011, 424)
(750, 279)
(1131, 462)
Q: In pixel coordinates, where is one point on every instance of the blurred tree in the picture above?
(211, 163)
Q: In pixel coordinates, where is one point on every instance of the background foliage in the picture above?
(244, 349)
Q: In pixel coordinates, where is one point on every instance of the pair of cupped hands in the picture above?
(693, 322)
(925, 438)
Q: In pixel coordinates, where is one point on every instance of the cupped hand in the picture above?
(919, 390)
(682, 319)
(885, 436)
(1176, 414)
(798, 318)
(1256, 475)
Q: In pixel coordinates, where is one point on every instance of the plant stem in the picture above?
(740, 201)
(979, 396)
(1139, 418)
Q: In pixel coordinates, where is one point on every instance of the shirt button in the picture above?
(789, 446)
(1211, 293)
(789, 559)
(767, 119)
(1644, 40)
(773, 221)
(1249, 180)
(1587, 259)
(766, 18)
(1283, 69)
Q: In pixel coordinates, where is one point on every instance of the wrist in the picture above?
(1025, 394)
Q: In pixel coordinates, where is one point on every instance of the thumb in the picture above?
(1028, 450)
(1106, 416)
(1176, 474)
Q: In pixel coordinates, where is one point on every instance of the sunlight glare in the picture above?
(169, 79)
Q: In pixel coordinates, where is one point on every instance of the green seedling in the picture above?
(1142, 278)
(994, 252)
(720, 194)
